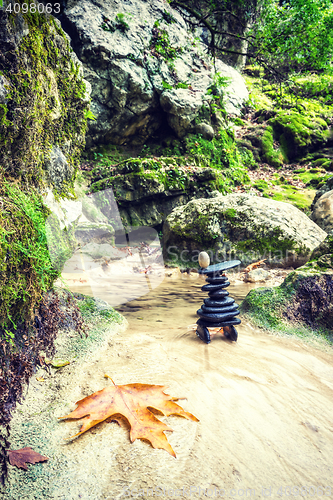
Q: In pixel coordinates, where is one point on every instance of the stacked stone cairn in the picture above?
(219, 310)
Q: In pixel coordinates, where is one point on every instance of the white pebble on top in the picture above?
(204, 259)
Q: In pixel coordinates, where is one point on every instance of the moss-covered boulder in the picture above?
(148, 189)
(299, 133)
(242, 226)
(303, 301)
(260, 140)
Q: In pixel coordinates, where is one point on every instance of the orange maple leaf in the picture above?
(132, 401)
(254, 265)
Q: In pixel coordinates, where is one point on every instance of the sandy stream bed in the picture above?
(265, 406)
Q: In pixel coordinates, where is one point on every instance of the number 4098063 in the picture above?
(32, 8)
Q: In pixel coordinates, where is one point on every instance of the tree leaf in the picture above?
(135, 402)
(21, 457)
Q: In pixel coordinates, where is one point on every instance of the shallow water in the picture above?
(172, 304)
(265, 406)
(265, 403)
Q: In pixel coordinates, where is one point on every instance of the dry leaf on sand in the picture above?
(132, 401)
(21, 457)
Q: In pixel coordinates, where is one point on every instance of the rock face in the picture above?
(240, 226)
(323, 212)
(148, 189)
(328, 186)
(146, 70)
(43, 98)
(256, 275)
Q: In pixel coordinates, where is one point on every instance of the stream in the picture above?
(264, 405)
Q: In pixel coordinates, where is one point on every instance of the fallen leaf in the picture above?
(132, 401)
(21, 457)
(59, 363)
(254, 265)
(40, 379)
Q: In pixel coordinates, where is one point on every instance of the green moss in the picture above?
(230, 213)
(285, 309)
(160, 43)
(261, 185)
(257, 98)
(90, 308)
(45, 102)
(269, 154)
(298, 132)
(26, 269)
(301, 199)
(265, 305)
(308, 177)
(267, 242)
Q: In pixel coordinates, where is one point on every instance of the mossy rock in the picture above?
(328, 186)
(303, 299)
(131, 187)
(261, 139)
(44, 118)
(241, 226)
(299, 134)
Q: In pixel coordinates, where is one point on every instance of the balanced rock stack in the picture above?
(219, 310)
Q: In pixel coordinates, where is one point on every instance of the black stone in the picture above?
(219, 316)
(203, 333)
(225, 301)
(219, 310)
(222, 266)
(217, 303)
(214, 310)
(202, 322)
(218, 293)
(210, 288)
(216, 280)
(230, 333)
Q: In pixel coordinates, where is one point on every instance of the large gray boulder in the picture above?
(241, 226)
(145, 69)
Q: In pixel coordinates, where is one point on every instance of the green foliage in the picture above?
(166, 85)
(26, 269)
(181, 85)
(296, 35)
(220, 154)
(119, 23)
(270, 155)
(247, 157)
(160, 44)
(89, 115)
(176, 178)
